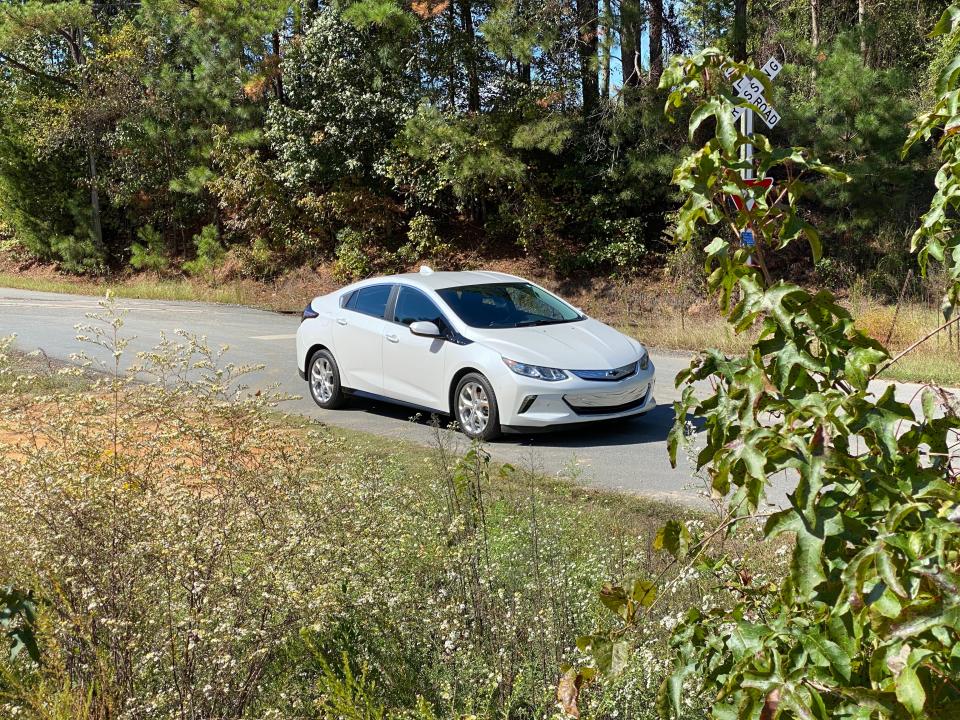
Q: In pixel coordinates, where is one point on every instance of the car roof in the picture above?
(437, 280)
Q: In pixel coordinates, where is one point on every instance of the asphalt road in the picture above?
(623, 455)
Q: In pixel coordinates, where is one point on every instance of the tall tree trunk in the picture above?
(525, 74)
(587, 50)
(656, 41)
(605, 50)
(470, 47)
(75, 43)
(631, 22)
(278, 75)
(95, 226)
(815, 23)
(814, 33)
(451, 58)
(740, 30)
(861, 24)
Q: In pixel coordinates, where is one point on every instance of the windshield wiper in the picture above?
(533, 323)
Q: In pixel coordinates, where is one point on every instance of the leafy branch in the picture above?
(867, 618)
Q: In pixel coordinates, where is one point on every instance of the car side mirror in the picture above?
(425, 328)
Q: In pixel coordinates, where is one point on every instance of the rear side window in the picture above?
(413, 306)
(370, 300)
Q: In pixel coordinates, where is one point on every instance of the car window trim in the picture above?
(393, 310)
(391, 298)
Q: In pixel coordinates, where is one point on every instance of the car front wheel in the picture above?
(475, 408)
(324, 381)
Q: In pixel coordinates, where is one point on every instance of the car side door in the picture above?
(358, 337)
(413, 365)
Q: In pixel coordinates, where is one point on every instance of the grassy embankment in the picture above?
(198, 555)
(661, 324)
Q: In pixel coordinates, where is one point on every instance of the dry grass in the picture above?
(134, 288)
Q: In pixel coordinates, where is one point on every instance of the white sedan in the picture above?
(494, 351)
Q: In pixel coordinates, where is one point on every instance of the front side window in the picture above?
(507, 305)
(413, 306)
(371, 300)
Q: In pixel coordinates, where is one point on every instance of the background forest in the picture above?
(253, 136)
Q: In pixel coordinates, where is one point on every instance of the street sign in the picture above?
(751, 90)
(771, 68)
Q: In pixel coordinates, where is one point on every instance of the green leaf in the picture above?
(643, 592)
(831, 653)
(674, 538)
(947, 22)
(910, 692)
(806, 567)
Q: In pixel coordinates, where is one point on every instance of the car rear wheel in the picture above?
(324, 381)
(475, 408)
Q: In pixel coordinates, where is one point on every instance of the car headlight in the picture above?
(644, 358)
(535, 371)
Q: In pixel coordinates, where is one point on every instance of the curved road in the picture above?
(623, 455)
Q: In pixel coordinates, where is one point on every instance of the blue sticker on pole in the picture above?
(746, 238)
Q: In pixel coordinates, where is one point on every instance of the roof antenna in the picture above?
(426, 270)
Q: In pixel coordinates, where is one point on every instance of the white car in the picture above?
(494, 351)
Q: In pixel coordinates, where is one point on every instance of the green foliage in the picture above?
(345, 102)
(18, 614)
(353, 255)
(622, 247)
(255, 115)
(423, 241)
(466, 154)
(853, 116)
(866, 622)
(150, 252)
(938, 238)
(210, 252)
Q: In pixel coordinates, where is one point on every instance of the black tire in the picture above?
(323, 379)
(475, 408)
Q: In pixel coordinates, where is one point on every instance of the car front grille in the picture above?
(607, 403)
(608, 375)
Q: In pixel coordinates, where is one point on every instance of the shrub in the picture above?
(622, 247)
(151, 252)
(194, 554)
(353, 258)
(210, 252)
(423, 241)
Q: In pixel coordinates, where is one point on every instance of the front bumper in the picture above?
(529, 403)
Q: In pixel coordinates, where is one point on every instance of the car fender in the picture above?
(474, 357)
(315, 331)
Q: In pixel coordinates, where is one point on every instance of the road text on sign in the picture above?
(751, 90)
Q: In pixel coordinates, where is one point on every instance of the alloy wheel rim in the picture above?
(321, 379)
(473, 408)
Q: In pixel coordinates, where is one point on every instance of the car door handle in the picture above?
(393, 338)
(341, 321)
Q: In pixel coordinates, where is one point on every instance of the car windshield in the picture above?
(507, 305)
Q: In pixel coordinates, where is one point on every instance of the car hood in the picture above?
(583, 345)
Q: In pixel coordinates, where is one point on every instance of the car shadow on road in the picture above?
(651, 427)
